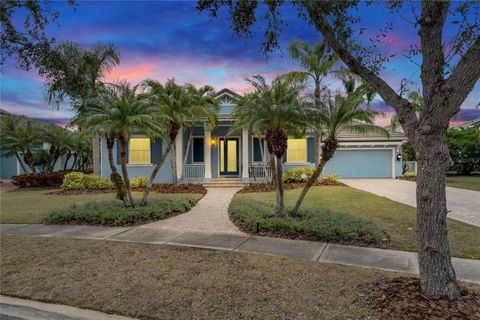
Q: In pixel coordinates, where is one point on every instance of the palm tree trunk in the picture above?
(274, 169)
(173, 163)
(328, 150)
(317, 137)
(114, 176)
(28, 158)
(123, 161)
(187, 150)
(280, 191)
(75, 156)
(21, 162)
(154, 174)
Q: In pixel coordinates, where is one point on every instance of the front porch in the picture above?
(220, 157)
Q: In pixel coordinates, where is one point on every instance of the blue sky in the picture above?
(163, 40)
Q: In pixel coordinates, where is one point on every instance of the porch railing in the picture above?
(194, 172)
(256, 171)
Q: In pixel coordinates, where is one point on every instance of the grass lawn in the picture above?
(32, 206)
(396, 219)
(464, 182)
(162, 282)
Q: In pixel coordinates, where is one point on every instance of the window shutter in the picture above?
(311, 150)
(155, 150)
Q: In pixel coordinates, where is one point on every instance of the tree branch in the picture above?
(404, 109)
(464, 77)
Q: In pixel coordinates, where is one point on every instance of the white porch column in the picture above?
(245, 154)
(207, 154)
(179, 153)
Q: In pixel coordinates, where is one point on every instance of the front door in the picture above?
(229, 156)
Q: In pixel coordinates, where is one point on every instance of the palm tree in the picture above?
(119, 112)
(60, 141)
(275, 109)
(9, 126)
(176, 105)
(343, 113)
(204, 112)
(317, 62)
(78, 73)
(27, 139)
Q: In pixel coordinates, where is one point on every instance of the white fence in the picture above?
(256, 171)
(411, 166)
(194, 172)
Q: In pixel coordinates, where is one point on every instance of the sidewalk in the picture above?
(14, 308)
(391, 260)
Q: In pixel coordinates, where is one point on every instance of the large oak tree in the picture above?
(448, 72)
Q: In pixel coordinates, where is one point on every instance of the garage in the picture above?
(358, 163)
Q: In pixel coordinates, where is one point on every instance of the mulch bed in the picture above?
(267, 187)
(400, 298)
(157, 187)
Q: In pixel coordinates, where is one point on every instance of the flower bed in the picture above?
(268, 187)
(39, 180)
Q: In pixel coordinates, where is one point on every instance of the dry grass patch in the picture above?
(162, 282)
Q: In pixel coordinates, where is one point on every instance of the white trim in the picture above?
(101, 155)
(193, 152)
(207, 154)
(376, 143)
(245, 153)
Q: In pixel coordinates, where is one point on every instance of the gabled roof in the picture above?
(228, 92)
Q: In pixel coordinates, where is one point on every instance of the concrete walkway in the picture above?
(464, 205)
(14, 308)
(391, 260)
(209, 214)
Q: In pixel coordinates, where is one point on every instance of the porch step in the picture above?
(224, 182)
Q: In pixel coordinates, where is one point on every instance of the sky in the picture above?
(162, 40)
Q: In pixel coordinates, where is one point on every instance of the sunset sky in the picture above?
(162, 40)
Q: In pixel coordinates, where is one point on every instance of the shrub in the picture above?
(139, 182)
(51, 179)
(318, 224)
(410, 174)
(80, 181)
(332, 177)
(113, 213)
(300, 174)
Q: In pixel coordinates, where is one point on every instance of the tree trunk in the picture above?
(21, 162)
(75, 156)
(173, 163)
(114, 176)
(187, 150)
(28, 158)
(274, 169)
(437, 276)
(123, 162)
(67, 157)
(154, 174)
(328, 150)
(280, 192)
(318, 146)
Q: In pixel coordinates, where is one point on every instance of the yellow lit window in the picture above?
(139, 151)
(297, 150)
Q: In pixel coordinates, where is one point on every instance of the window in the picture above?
(198, 149)
(297, 150)
(139, 151)
(257, 152)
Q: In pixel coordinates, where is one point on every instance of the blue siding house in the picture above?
(218, 154)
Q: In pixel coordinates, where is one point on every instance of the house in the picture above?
(475, 123)
(9, 164)
(216, 154)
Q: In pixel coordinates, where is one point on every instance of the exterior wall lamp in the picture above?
(399, 156)
(213, 142)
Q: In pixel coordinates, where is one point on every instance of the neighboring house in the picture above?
(10, 166)
(217, 154)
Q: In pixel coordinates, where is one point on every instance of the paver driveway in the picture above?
(464, 205)
(210, 214)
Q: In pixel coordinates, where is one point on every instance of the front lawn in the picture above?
(395, 219)
(33, 206)
(464, 182)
